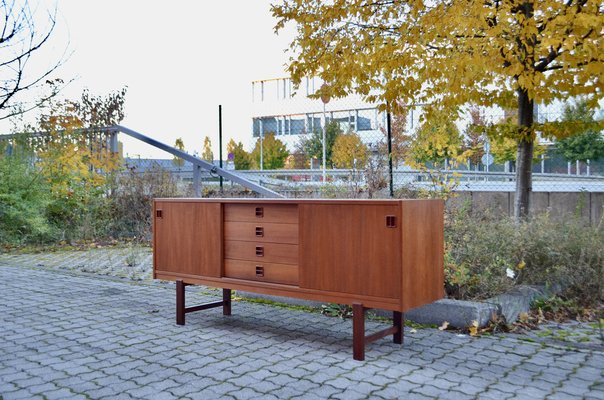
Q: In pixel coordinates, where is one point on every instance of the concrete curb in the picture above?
(518, 300)
(458, 313)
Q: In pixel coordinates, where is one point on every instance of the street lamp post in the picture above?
(325, 99)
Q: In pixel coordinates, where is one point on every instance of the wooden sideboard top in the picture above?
(293, 201)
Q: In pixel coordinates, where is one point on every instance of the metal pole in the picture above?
(324, 129)
(197, 180)
(389, 129)
(220, 142)
(261, 151)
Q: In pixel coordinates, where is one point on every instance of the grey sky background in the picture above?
(179, 59)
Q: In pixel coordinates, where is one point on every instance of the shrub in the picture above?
(23, 199)
(131, 201)
(486, 256)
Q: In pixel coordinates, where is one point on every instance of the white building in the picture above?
(277, 108)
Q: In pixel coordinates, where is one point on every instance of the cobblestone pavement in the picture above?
(70, 335)
(133, 262)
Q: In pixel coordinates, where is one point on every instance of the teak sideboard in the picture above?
(385, 254)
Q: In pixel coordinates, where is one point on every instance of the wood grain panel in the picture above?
(271, 232)
(188, 238)
(349, 248)
(272, 252)
(277, 273)
(280, 213)
(423, 253)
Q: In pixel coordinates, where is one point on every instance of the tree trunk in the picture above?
(524, 156)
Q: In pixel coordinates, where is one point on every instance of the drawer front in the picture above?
(261, 232)
(280, 213)
(258, 251)
(263, 272)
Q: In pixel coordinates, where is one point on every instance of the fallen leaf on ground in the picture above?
(473, 328)
(444, 326)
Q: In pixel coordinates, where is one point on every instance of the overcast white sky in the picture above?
(179, 59)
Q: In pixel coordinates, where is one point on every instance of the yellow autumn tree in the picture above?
(180, 145)
(207, 154)
(349, 151)
(489, 53)
(437, 140)
(73, 154)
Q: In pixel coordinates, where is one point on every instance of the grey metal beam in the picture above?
(194, 160)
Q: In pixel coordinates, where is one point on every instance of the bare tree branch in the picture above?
(21, 39)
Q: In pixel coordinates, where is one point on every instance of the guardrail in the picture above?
(462, 180)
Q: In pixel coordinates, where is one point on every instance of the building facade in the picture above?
(278, 108)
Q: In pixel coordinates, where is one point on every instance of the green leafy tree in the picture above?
(274, 153)
(587, 143)
(448, 54)
(241, 158)
(180, 145)
(349, 151)
(312, 144)
(207, 153)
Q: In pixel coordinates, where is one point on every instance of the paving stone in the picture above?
(455, 395)
(533, 393)
(392, 392)
(493, 394)
(349, 394)
(60, 394)
(21, 394)
(573, 389)
(562, 396)
(285, 392)
(429, 390)
(323, 392)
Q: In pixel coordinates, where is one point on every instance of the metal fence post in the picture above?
(197, 180)
(389, 131)
(113, 144)
(220, 143)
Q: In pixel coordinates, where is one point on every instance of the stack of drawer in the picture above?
(261, 242)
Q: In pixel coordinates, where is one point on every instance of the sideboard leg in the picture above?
(358, 331)
(180, 302)
(226, 301)
(398, 321)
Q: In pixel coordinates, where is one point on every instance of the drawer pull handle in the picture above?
(159, 213)
(259, 231)
(259, 251)
(259, 212)
(390, 221)
(259, 271)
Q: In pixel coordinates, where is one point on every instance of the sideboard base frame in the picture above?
(359, 340)
(181, 310)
